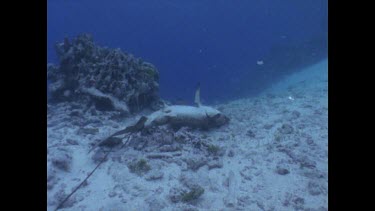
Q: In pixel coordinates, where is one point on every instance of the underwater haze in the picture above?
(217, 43)
(204, 105)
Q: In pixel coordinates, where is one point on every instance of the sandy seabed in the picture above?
(273, 155)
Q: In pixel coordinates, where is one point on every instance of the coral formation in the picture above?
(107, 78)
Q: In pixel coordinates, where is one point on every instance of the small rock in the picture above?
(282, 171)
(305, 162)
(286, 129)
(189, 181)
(159, 156)
(267, 126)
(155, 204)
(75, 113)
(98, 156)
(295, 114)
(295, 201)
(62, 161)
(71, 141)
(301, 126)
(169, 148)
(112, 194)
(230, 153)
(309, 141)
(51, 180)
(85, 183)
(215, 164)
(111, 142)
(175, 194)
(194, 163)
(271, 96)
(314, 174)
(91, 131)
(154, 175)
(248, 172)
(298, 202)
(250, 133)
(192, 195)
(314, 188)
(61, 195)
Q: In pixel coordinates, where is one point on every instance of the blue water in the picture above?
(214, 42)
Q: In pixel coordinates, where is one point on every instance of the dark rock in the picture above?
(188, 180)
(71, 141)
(317, 209)
(112, 194)
(286, 129)
(175, 194)
(314, 188)
(159, 156)
(111, 142)
(309, 141)
(305, 162)
(250, 133)
(248, 173)
(270, 95)
(295, 201)
(51, 180)
(268, 126)
(197, 143)
(282, 171)
(295, 114)
(215, 164)
(91, 131)
(301, 126)
(192, 195)
(155, 204)
(314, 174)
(98, 156)
(194, 163)
(154, 175)
(61, 195)
(169, 148)
(62, 161)
(85, 183)
(230, 153)
(298, 201)
(75, 113)
(103, 103)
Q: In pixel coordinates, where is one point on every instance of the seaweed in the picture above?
(139, 167)
(213, 149)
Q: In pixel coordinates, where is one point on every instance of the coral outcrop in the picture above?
(107, 78)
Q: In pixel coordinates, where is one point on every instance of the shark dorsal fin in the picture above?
(197, 98)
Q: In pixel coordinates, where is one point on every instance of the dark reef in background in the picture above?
(107, 78)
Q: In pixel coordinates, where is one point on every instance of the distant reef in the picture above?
(108, 79)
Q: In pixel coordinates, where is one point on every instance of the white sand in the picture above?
(300, 156)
